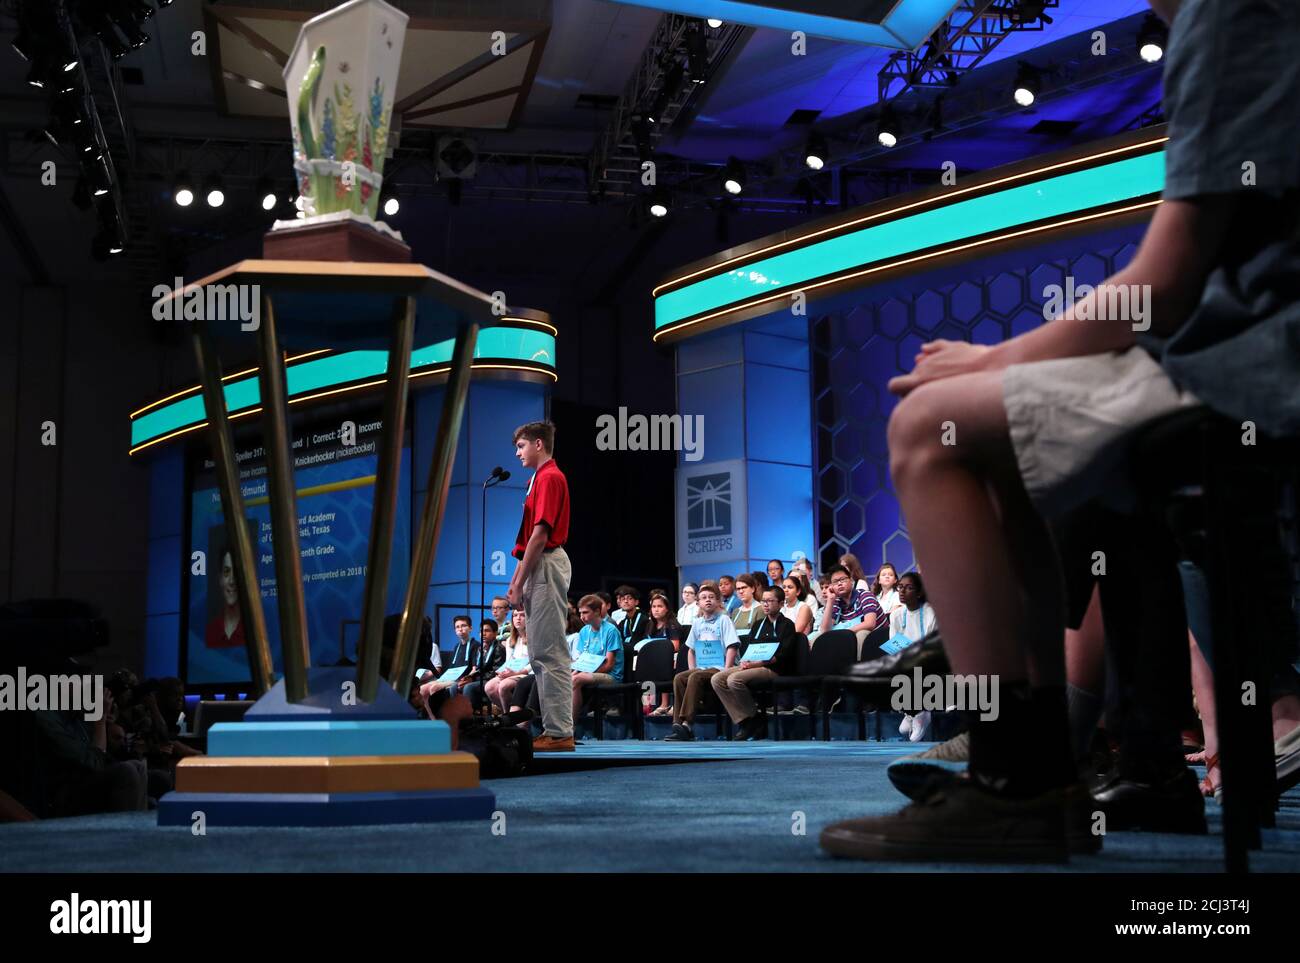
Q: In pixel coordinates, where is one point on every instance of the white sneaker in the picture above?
(905, 727)
(920, 726)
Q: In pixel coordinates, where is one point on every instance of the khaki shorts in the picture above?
(1071, 419)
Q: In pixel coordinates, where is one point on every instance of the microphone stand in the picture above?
(493, 480)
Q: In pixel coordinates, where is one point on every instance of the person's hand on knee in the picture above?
(941, 359)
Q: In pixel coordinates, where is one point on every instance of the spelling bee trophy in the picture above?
(335, 746)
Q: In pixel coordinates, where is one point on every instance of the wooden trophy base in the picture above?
(336, 241)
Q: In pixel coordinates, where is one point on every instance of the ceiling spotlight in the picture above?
(714, 22)
(815, 152)
(140, 9)
(1027, 84)
(733, 176)
(388, 202)
(266, 192)
(116, 49)
(62, 126)
(1026, 12)
(105, 245)
(38, 75)
(23, 41)
(660, 201)
(887, 128)
(1152, 37)
(214, 191)
(135, 37)
(183, 191)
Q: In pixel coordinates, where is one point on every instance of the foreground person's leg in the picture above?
(992, 576)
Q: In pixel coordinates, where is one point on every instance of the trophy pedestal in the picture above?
(335, 239)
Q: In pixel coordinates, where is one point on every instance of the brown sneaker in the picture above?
(958, 822)
(545, 743)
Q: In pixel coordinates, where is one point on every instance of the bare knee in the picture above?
(916, 436)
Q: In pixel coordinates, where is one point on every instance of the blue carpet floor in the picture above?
(733, 808)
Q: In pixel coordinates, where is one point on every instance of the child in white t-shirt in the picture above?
(912, 618)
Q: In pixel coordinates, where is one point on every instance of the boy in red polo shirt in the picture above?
(541, 583)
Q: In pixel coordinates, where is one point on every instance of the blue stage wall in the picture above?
(751, 383)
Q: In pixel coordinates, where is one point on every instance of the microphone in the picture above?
(504, 476)
(498, 475)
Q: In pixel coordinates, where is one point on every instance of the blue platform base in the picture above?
(325, 700)
(322, 809)
(367, 737)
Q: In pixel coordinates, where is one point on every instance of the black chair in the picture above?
(765, 690)
(866, 692)
(830, 657)
(654, 667)
(624, 694)
(1194, 467)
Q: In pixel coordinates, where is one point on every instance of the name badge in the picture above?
(897, 644)
(760, 651)
(709, 654)
(588, 662)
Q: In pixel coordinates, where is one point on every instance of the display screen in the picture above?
(334, 478)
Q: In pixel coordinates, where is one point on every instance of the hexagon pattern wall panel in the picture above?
(858, 348)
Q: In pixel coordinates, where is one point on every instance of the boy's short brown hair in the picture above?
(709, 587)
(543, 431)
(593, 602)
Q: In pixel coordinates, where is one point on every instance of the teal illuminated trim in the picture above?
(907, 25)
(318, 373)
(1000, 211)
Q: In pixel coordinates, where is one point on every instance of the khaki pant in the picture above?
(732, 687)
(689, 688)
(546, 606)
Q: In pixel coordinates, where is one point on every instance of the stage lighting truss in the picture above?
(662, 91)
(957, 46)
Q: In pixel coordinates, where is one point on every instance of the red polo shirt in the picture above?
(548, 502)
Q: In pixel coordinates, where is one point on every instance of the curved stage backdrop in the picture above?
(806, 327)
(188, 632)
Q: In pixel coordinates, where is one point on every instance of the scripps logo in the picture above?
(708, 511)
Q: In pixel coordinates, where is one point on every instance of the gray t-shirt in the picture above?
(1232, 100)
